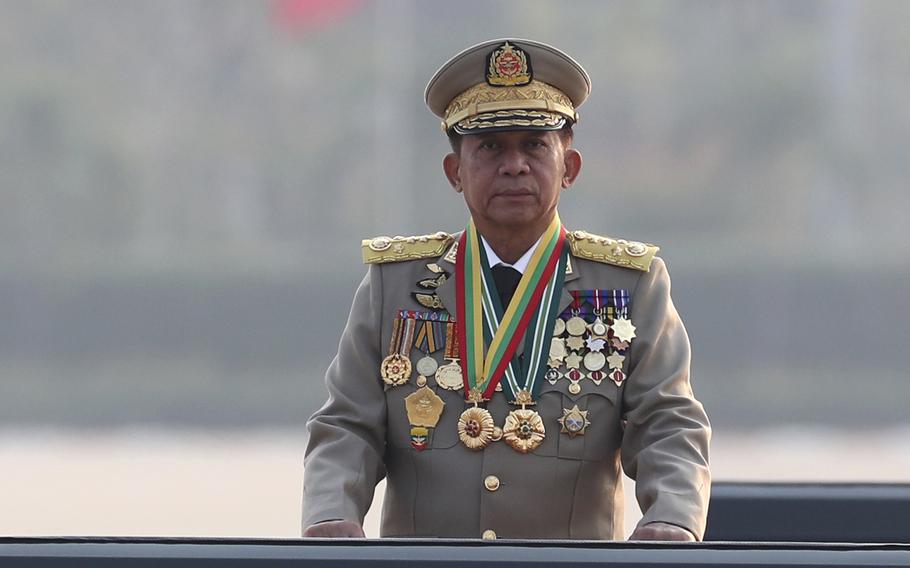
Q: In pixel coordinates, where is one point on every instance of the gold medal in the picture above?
(573, 361)
(574, 388)
(424, 407)
(476, 428)
(395, 370)
(449, 376)
(575, 342)
(598, 329)
(574, 421)
(623, 329)
(615, 360)
(559, 327)
(523, 430)
(576, 326)
(557, 349)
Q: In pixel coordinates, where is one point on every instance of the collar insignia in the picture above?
(508, 66)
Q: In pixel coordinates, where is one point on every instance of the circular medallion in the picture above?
(380, 244)
(421, 381)
(559, 327)
(475, 428)
(595, 361)
(574, 388)
(449, 376)
(599, 328)
(576, 326)
(395, 370)
(523, 430)
(634, 248)
(557, 348)
(426, 366)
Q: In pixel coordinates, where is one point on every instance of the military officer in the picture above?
(502, 378)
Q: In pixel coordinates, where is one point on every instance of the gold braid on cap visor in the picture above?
(485, 99)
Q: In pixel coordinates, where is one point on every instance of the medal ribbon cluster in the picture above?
(535, 300)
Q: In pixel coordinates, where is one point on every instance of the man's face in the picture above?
(513, 179)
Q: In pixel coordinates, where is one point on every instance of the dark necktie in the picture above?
(506, 279)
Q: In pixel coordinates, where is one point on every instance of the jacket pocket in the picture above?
(595, 407)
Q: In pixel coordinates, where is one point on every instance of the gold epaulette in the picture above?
(394, 249)
(619, 252)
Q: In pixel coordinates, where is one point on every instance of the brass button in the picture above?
(491, 483)
(574, 388)
(489, 535)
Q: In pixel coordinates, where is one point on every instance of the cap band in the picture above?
(484, 99)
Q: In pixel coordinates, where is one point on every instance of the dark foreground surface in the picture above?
(59, 552)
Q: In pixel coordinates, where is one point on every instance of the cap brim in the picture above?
(510, 120)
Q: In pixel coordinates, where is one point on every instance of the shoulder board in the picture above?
(395, 249)
(619, 252)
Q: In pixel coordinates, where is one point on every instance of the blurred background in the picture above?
(184, 185)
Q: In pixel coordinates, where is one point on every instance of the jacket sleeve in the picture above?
(666, 437)
(344, 455)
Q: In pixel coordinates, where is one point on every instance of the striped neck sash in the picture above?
(481, 316)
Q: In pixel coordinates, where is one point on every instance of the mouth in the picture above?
(514, 193)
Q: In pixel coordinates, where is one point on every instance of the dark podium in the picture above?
(754, 524)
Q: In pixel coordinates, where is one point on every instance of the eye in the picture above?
(489, 145)
(535, 143)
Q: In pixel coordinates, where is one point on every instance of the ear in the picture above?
(450, 165)
(572, 162)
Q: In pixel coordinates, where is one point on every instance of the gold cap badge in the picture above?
(508, 66)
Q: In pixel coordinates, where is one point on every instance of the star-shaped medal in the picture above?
(623, 329)
(595, 344)
(575, 342)
(574, 421)
(615, 360)
(598, 329)
(573, 360)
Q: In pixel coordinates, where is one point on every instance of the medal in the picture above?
(595, 361)
(557, 349)
(552, 375)
(598, 329)
(595, 344)
(523, 430)
(574, 387)
(597, 376)
(574, 421)
(617, 376)
(573, 361)
(559, 327)
(395, 369)
(615, 360)
(575, 342)
(449, 376)
(424, 407)
(426, 366)
(576, 326)
(476, 428)
(623, 329)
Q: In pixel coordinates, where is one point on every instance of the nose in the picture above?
(514, 162)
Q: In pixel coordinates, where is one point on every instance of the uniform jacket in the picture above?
(651, 427)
